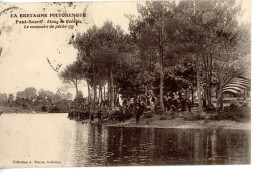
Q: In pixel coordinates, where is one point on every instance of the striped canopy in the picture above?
(237, 85)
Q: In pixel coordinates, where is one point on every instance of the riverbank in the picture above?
(15, 109)
(181, 123)
(190, 120)
(238, 118)
(181, 120)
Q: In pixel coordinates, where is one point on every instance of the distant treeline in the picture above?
(42, 100)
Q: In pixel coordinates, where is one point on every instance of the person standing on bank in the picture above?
(99, 115)
(139, 112)
(92, 116)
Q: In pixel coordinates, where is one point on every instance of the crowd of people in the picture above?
(129, 108)
(103, 112)
(176, 102)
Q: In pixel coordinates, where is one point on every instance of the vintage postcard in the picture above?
(131, 83)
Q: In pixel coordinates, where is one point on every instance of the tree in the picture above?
(208, 32)
(222, 40)
(3, 97)
(88, 47)
(27, 93)
(233, 51)
(131, 81)
(45, 95)
(72, 74)
(150, 30)
(99, 50)
(68, 96)
(218, 22)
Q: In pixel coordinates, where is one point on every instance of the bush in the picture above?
(234, 112)
(210, 109)
(55, 109)
(148, 115)
(43, 108)
(163, 118)
(234, 104)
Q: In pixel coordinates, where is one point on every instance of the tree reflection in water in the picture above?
(154, 146)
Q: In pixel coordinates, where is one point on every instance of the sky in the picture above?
(23, 60)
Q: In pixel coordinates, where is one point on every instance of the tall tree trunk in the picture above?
(221, 103)
(209, 93)
(89, 96)
(101, 95)
(95, 88)
(105, 93)
(207, 71)
(112, 103)
(115, 96)
(161, 71)
(108, 89)
(76, 86)
(161, 91)
(210, 78)
(208, 96)
(219, 106)
(198, 87)
(98, 94)
(207, 89)
(192, 95)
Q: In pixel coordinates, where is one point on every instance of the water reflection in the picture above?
(76, 144)
(136, 146)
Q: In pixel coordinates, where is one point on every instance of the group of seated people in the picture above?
(175, 102)
(101, 111)
(129, 108)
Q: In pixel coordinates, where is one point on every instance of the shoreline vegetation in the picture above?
(18, 110)
(178, 120)
(21, 110)
(232, 118)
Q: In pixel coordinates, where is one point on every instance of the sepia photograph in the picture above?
(125, 83)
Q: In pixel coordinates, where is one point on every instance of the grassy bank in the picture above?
(155, 122)
(236, 118)
(14, 108)
(17, 109)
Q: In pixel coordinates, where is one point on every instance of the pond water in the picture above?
(48, 140)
